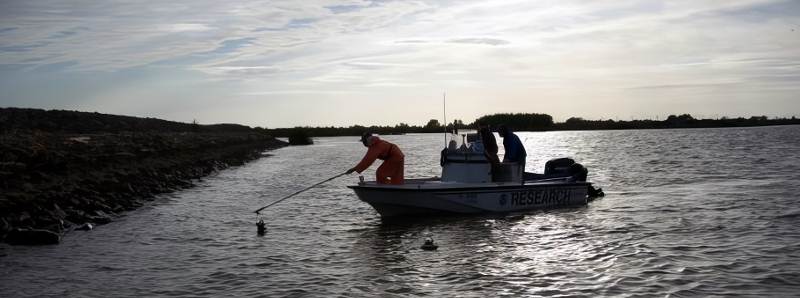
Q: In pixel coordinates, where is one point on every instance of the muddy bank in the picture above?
(56, 178)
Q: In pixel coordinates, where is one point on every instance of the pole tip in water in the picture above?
(262, 227)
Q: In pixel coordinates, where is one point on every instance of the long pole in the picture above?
(297, 192)
(444, 116)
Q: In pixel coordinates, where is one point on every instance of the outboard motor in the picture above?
(567, 167)
(558, 165)
(578, 171)
(563, 167)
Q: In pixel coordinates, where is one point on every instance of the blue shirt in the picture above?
(515, 152)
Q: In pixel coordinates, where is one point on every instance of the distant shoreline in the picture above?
(472, 130)
(542, 122)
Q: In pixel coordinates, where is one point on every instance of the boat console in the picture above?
(468, 164)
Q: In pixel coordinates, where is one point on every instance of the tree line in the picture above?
(537, 122)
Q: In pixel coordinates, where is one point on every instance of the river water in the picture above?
(692, 212)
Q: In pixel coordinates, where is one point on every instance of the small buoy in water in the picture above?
(262, 227)
(429, 245)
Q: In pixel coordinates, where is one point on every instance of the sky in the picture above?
(321, 63)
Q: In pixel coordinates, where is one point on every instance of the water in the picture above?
(694, 212)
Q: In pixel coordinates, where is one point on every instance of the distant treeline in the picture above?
(541, 122)
(12, 119)
(518, 122)
(681, 121)
(356, 130)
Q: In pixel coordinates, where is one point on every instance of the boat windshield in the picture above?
(465, 142)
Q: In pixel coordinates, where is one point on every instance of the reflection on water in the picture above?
(691, 212)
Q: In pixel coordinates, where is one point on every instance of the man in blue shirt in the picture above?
(515, 151)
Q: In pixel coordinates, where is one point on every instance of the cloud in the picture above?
(344, 8)
(299, 92)
(242, 70)
(21, 48)
(412, 41)
(685, 86)
(486, 41)
(9, 29)
(185, 27)
(526, 47)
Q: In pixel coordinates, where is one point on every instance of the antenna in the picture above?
(444, 115)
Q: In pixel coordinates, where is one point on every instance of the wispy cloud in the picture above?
(686, 86)
(299, 92)
(487, 41)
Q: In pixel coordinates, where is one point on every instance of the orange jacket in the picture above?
(380, 149)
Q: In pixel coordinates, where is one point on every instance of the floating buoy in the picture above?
(429, 245)
(262, 227)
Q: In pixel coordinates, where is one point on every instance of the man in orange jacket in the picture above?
(391, 171)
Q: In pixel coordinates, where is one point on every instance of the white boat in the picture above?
(467, 186)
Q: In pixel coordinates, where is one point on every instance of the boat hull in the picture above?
(436, 198)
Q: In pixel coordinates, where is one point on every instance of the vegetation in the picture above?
(299, 136)
(519, 122)
(673, 121)
(540, 122)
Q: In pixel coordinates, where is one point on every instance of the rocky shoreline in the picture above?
(57, 178)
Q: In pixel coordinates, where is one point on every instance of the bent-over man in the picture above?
(391, 170)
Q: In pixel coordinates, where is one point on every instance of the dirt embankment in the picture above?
(60, 170)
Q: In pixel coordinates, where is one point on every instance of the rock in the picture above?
(75, 201)
(100, 220)
(13, 166)
(24, 218)
(76, 215)
(32, 237)
(4, 226)
(117, 208)
(85, 227)
(68, 224)
(62, 166)
(83, 140)
(58, 213)
(56, 225)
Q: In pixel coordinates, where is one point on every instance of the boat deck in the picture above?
(437, 184)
